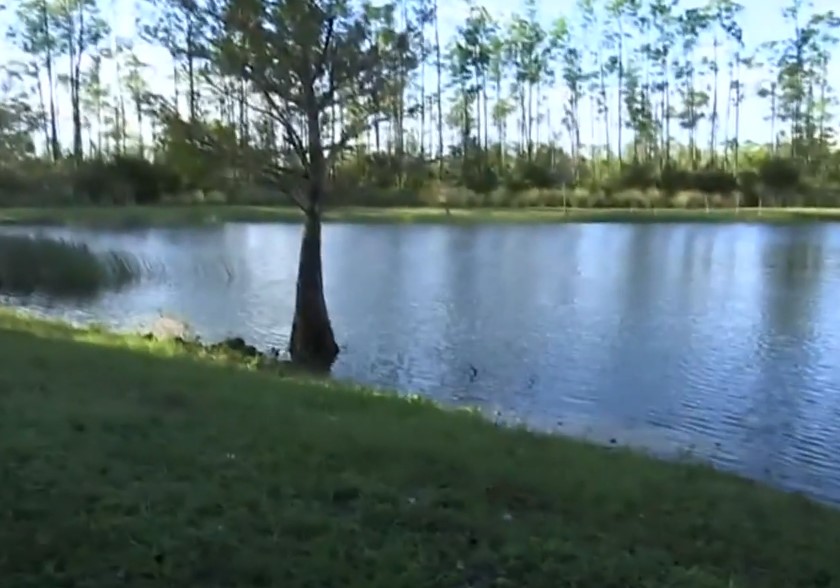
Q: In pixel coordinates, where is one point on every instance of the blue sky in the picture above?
(762, 21)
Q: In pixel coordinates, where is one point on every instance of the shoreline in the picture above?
(206, 214)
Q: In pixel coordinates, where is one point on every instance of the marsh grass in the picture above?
(60, 268)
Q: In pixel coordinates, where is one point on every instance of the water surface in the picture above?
(719, 340)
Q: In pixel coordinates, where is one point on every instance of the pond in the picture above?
(721, 341)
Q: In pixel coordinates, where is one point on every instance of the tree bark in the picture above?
(312, 341)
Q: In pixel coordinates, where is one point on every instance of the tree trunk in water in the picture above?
(312, 341)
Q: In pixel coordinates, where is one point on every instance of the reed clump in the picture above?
(60, 268)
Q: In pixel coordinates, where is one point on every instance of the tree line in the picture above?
(621, 103)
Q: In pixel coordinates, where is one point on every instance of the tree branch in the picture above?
(322, 58)
(292, 136)
(348, 133)
(274, 111)
(204, 141)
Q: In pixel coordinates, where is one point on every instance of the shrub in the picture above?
(639, 176)
(481, 179)
(779, 173)
(59, 268)
(748, 181)
(673, 180)
(537, 175)
(147, 181)
(713, 180)
(125, 179)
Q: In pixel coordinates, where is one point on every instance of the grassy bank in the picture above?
(126, 461)
(59, 268)
(174, 215)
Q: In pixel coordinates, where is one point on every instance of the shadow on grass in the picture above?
(126, 461)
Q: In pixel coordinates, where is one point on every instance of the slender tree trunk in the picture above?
(465, 132)
(500, 149)
(530, 122)
(823, 111)
(176, 97)
(123, 125)
(663, 109)
(736, 150)
(593, 109)
(810, 134)
(576, 111)
(75, 84)
(439, 67)
(484, 114)
(619, 102)
(667, 113)
(714, 122)
(726, 141)
(193, 98)
(773, 137)
(522, 120)
(42, 107)
(54, 145)
(423, 58)
(141, 145)
(608, 143)
(536, 117)
(477, 96)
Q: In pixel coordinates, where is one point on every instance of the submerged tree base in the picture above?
(313, 346)
(312, 342)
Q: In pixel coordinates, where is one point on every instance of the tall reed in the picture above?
(60, 268)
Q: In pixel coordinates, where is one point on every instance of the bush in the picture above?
(480, 178)
(36, 183)
(748, 182)
(673, 179)
(535, 174)
(148, 182)
(778, 173)
(59, 268)
(639, 176)
(94, 180)
(125, 179)
(713, 180)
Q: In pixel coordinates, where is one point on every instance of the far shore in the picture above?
(203, 214)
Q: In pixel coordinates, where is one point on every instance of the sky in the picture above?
(762, 21)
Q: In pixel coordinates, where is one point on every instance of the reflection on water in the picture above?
(721, 340)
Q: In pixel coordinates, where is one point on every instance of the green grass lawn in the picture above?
(139, 216)
(128, 463)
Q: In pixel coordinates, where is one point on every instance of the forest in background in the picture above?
(648, 116)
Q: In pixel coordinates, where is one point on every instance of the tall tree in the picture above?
(79, 28)
(36, 36)
(301, 57)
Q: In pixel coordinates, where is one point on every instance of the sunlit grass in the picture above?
(59, 268)
(134, 462)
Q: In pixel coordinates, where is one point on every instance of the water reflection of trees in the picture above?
(792, 260)
(651, 334)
